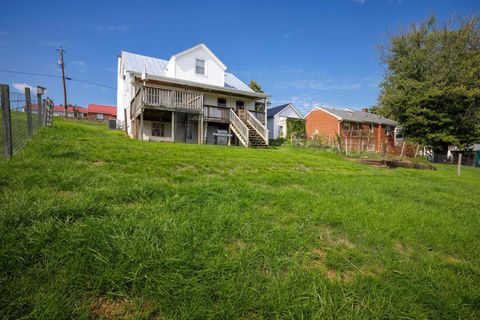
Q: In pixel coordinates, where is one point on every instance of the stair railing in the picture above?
(258, 126)
(240, 127)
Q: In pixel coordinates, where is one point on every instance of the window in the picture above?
(99, 116)
(388, 131)
(240, 103)
(346, 126)
(200, 66)
(158, 129)
(222, 102)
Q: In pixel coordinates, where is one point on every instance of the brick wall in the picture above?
(321, 123)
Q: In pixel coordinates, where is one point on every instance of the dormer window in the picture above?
(200, 66)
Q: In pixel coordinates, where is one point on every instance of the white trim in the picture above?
(286, 106)
(201, 45)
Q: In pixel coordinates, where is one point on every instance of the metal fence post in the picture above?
(6, 121)
(28, 109)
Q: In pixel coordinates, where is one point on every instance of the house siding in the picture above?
(321, 123)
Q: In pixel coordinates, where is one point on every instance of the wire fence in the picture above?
(22, 114)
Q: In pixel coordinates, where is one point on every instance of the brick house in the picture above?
(352, 129)
(101, 112)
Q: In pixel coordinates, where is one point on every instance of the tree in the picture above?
(255, 86)
(432, 82)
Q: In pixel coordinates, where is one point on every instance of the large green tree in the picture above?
(432, 82)
(255, 86)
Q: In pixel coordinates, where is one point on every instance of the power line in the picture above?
(92, 83)
(57, 76)
(31, 73)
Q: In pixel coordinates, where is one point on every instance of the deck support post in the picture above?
(200, 129)
(141, 124)
(205, 132)
(229, 135)
(173, 126)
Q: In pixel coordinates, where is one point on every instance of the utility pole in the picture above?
(62, 65)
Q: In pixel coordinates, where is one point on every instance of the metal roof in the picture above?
(358, 116)
(157, 67)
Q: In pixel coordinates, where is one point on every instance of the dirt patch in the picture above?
(327, 235)
(454, 260)
(402, 249)
(103, 308)
(234, 247)
(392, 164)
(335, 241)
(112, 309)
(303, 168)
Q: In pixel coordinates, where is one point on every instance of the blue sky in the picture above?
(305, 52)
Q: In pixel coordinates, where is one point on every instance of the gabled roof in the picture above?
(98, 108)
(356, 116)
(275, 110)
(137, 63)
(201, 45)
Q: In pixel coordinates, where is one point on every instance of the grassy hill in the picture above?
(93, 224)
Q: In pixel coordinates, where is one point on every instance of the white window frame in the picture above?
(204, 66)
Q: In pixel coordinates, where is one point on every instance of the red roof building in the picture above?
(101, 112)
(59, 110)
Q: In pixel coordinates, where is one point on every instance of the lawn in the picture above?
(94, 224)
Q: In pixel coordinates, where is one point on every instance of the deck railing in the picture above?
(257, 125)
(168, 99)
(260, 115)
(216, 113)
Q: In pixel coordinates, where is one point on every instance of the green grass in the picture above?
(93, 224)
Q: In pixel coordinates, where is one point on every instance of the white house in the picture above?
(277, 120)
(188, 98)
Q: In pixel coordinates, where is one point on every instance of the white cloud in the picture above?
(54, 44)
(328, 84)
(21, 87)
(360, 1)
(81, 65)
(293, 32)
(112, 28)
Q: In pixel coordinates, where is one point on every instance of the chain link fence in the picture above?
(22, 114)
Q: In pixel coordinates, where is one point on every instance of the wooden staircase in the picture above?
(255, 140)
(249, 131)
